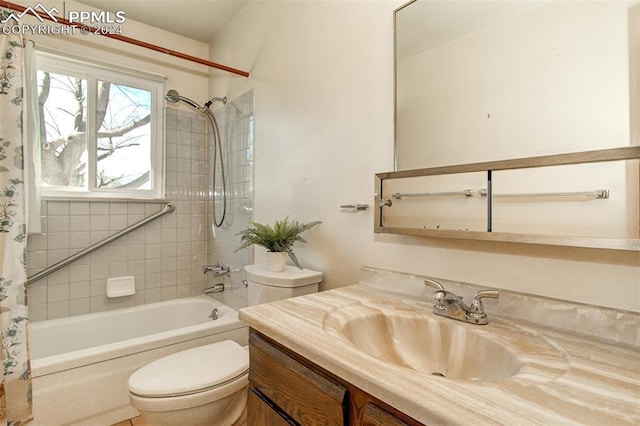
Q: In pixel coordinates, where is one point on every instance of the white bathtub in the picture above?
(81, 364)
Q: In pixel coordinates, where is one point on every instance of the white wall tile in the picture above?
(79, 290)
(79, 273)
(37, 312)
(79, 306)
(117, 222)
(79, 239)
(57, 240)
(58, 208)
(118, 208)
(37, 295)
(57, 224)
(80, 223)
(99, 208)
(79, 208)
(152, 254)
(58, 309)
(57, 293)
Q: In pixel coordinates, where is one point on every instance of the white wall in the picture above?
(322, 73)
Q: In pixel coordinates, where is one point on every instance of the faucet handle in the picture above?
(433, 283)
(476, 309)
(440, 295)
(490, 294)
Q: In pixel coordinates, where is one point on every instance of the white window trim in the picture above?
(92, 71)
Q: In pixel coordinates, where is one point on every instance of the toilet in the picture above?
(266, 286)
(192, 387)
(208, 384)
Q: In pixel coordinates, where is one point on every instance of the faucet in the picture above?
(452, 306)
(217, 270)
(216, 288)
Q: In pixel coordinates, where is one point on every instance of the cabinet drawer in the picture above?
(305, 395)
(261, 412)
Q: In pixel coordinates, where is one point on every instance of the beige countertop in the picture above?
(564, 378)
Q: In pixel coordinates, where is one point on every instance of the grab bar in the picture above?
(168, 208)
(400, 196)
(598, 194)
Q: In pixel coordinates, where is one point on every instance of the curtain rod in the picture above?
(18, 8)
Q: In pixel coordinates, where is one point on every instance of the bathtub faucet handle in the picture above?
(218, 269)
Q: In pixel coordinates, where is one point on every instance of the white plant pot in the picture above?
(276, 260)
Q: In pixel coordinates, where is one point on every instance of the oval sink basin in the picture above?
(444, 348)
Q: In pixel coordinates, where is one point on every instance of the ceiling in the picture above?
(196, 19)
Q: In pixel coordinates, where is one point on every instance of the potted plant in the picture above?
(278, 240)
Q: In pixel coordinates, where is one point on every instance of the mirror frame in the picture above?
(614, 154)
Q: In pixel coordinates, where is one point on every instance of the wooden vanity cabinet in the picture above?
(287, 389)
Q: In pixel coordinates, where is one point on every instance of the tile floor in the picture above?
(136, 421)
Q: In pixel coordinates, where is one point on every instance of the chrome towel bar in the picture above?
(400, 196)
(599, 194)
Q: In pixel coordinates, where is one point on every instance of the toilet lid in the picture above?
(191, 370)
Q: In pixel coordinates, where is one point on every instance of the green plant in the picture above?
(279, 238)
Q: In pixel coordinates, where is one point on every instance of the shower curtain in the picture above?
(15, 379)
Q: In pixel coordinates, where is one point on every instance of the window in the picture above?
(100, 129)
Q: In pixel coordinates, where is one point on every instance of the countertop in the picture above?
(569, 379)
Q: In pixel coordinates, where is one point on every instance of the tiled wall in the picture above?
(165, 256)
(235, 121)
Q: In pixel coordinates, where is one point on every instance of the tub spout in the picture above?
(216, 288)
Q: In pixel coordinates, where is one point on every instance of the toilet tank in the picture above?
(267, 286)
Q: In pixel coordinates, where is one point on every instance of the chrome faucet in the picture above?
(452, 306)
(217, 270)
(216, 288)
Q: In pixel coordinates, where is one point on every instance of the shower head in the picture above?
(174, 97)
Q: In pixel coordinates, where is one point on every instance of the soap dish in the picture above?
(121, 286)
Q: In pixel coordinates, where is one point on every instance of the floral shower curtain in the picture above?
(15, 379)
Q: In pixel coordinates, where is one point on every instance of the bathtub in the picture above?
(80, 365)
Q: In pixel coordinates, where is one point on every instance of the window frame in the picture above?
(93, 71)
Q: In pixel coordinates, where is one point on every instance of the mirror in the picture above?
(519, 96)
(492, 80)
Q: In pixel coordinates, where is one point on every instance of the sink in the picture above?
(427, 344)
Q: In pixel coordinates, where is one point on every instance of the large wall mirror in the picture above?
(489, 80)
(496, 82)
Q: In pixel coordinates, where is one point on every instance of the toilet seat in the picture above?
(191, 371)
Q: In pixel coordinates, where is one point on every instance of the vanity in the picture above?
(374, 353)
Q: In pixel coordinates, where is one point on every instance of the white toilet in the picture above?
(208, 385)
(266, 286)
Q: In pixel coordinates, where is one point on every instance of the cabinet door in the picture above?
(307, 396)
(261, 412)
(376, 416)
